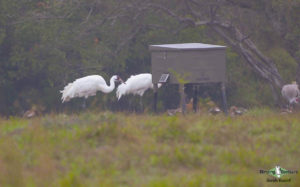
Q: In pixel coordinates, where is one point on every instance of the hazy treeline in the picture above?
(44, 44)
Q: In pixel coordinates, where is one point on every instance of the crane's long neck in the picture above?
(111, 87)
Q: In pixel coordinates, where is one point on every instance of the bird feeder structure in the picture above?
(188, 63)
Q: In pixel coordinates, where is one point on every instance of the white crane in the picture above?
(291, 93)
(136, 85)
(88, 86)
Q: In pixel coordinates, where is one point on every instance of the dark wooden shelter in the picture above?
(189, 63)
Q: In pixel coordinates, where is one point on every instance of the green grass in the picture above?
(107, 149)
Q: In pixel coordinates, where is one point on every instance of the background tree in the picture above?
(46, 44)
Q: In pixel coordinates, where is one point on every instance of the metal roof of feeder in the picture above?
(184, 46)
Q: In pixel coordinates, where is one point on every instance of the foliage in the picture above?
(286, 64)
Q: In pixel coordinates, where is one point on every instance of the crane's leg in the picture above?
(131, 106)
(141, 104)
(290, 107)
(182, 98)
(84, 103)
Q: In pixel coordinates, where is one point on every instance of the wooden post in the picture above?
(223, 89)
(155, 88)
(182, 98)
(195, 98)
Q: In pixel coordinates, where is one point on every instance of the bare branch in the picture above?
(88, 16)
(199, 23)
(192, 11)
(134, 33)
(172, 14)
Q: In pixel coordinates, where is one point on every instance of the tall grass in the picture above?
(117, 149)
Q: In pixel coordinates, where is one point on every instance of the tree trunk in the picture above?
(262, 65)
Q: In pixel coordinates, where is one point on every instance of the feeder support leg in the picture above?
(155, 88)
(223, 89)
(195, 99)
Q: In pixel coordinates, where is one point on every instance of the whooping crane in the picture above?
(88, 86)
(136, 85)
(291, 93)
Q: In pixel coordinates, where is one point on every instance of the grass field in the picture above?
(108, 149)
